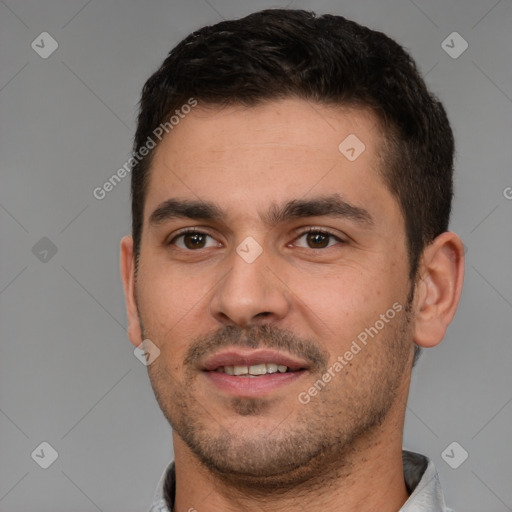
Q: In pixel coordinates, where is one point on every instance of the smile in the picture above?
(252, 373)
(253, 370)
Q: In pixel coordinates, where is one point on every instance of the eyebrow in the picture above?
(185, 209)
(324, 206)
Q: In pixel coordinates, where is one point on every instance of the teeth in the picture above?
(255, 369)
(240, 370)
(258, 369)
(271, 368)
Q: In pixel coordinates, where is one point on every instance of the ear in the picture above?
(439, 288)
(128, 277)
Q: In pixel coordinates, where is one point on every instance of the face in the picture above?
(273, 278)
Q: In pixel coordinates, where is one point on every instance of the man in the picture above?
(291, 192)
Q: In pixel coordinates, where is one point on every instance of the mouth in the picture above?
(252, 373)
(254, 370)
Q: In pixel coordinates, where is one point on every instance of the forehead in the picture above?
(272, 152)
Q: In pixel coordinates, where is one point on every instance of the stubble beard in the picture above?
(315, 442)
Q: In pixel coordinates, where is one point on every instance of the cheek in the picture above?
(168, 290)
(341, 305)
(165, 301)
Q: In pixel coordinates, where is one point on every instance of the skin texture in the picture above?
(272, 452)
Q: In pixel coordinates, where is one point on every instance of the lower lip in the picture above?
(252, 386)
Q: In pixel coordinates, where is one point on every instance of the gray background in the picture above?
(68, 374)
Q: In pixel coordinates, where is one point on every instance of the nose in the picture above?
(252, 292)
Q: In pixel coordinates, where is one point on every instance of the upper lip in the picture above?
(249, 357)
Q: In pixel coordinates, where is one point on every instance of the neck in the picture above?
(368, 477)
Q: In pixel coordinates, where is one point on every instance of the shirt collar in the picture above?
(420, 474)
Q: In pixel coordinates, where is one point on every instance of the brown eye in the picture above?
(193, 240)
(316, 239)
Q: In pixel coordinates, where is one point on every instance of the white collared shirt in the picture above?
(426, 494)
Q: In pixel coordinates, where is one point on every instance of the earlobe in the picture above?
(439, 288)
(127, 265)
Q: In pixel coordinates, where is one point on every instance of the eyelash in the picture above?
(186, 231)
(305, 231)
(320, 231)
